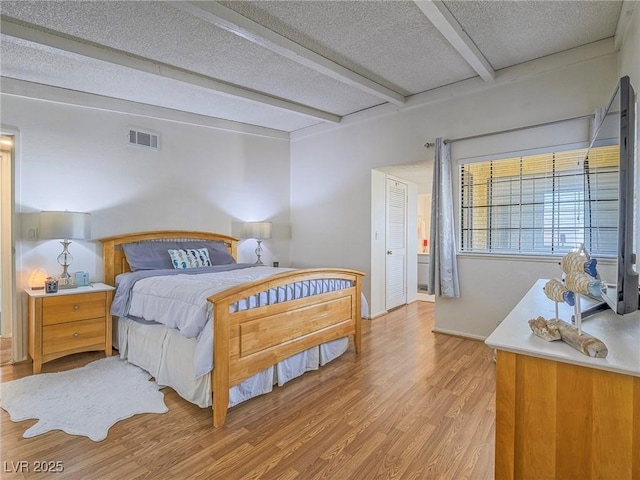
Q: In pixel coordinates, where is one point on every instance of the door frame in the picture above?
(12, 326)
(394, 297)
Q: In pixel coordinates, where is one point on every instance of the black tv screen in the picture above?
(620, 289)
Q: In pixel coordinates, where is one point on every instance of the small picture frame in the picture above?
(82, 279)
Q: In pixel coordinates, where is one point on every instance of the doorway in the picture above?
(7, 257)
(419, 174)
(382, 262)
(424, 249)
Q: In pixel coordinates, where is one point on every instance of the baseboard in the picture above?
(377, 315)
(459, 334)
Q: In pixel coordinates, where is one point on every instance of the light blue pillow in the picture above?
(190, 258)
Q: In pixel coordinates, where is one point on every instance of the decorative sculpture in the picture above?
(580, 278)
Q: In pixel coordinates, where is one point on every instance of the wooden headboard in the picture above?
(116, 263)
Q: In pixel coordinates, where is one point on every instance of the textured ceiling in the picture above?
(392, 43)
(283, 65)
(509, 33)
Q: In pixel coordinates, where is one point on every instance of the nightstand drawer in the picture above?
(69, 308)
(73, 335)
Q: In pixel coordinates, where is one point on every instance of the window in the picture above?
(543, 204)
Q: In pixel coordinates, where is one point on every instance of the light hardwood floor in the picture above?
(5, 351)
(412, 405)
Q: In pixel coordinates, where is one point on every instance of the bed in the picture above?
(256, 325)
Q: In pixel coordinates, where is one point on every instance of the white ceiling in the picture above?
(284, 65)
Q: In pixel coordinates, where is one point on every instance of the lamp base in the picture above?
(259, 253)
(64, 259)
(66, 282)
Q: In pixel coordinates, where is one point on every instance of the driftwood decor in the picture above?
(555, 329)
(544, 330)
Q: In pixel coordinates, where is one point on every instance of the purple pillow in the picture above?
(150, 255)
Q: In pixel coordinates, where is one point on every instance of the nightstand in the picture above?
(70, 321)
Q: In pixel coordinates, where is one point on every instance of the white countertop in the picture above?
(620, 333)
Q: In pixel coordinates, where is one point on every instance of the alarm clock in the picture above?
(51, 285)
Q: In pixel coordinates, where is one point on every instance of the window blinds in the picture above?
(542, 204)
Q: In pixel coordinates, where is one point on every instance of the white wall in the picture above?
(202, 179)
(376, 293)
(330, 178)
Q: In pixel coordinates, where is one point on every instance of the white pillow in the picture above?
(190, 258)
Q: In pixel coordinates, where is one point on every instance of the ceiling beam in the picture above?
(443, 20)
(152, 67)
(231, 21)
(64, 96)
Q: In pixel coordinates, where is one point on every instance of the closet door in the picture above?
(396, 244)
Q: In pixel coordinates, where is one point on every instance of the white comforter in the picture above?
(180, 301)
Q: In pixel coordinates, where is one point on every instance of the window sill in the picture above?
(525, 258)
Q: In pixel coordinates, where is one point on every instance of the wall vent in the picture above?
(143, 138)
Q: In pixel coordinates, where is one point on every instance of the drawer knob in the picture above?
(76, 335)
(76, 307)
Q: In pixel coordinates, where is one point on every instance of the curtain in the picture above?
(443, 267)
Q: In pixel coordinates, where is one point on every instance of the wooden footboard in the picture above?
(248, 341)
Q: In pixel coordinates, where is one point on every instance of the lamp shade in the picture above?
(66, 225)
(257, 230)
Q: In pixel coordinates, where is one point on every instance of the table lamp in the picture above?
(258, 230)
(65, 225)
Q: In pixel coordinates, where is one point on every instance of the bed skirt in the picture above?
(169, 358)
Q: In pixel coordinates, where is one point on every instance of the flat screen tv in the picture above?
(620, 288)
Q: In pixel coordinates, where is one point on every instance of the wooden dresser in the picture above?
(561, 414)
(70, 321)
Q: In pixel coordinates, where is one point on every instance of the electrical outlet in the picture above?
(32, 233)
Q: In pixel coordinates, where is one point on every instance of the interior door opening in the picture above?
(379, 240)
(7, 262)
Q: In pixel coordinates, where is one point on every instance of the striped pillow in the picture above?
(190, 258)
